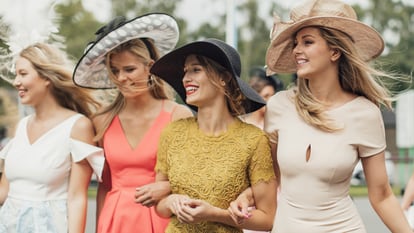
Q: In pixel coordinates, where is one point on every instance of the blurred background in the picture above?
(245, 24)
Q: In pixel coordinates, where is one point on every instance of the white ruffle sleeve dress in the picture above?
(38, 176)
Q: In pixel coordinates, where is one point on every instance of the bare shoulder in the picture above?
(99, 120)
(83, 129)
(179, 111)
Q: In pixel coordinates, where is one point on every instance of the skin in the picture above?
(213, 118)
(35, 91)
(132, 74)
(257, 117)
(318, 63)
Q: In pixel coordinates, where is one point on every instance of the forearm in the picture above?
(408, 194)
(258, 221)
(162, 208)
(77, 213)
(388, 209)
(100, 199)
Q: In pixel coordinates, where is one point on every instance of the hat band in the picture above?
(148, 45)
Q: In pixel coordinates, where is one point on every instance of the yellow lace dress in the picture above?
(215, 169)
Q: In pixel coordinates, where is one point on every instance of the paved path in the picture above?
(372, 222)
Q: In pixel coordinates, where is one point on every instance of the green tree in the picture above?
(78, 27)
(393, 20)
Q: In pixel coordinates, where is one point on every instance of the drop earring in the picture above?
(150, 81)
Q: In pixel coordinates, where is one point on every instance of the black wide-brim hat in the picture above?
(170, 68)
(91, 72)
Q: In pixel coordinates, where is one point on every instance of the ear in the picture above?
(335, 54)
(222, 83)
(150, 63)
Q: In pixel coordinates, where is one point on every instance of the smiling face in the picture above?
(130, 73)
(31, 87)
(312, 54)
(200, 90)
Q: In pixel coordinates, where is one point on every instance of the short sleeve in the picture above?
(273, 113)
(93, 154)
(261, 165)
(371, 133)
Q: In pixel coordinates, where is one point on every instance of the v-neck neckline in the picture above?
(49, 131)
(144, 136)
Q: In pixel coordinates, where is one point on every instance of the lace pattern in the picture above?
(213, 168)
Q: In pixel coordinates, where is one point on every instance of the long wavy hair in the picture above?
(146, 51)
(52, 64)
(355, 76)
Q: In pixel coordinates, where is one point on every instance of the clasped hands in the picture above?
(188, 210)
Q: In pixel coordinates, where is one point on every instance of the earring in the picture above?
(150, 81)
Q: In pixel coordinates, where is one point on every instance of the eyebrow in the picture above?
(307, 35)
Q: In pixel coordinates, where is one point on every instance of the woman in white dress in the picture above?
(49, 162)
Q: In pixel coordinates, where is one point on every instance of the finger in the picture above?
(148, 203)
(236, 210)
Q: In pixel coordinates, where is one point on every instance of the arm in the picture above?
(149, 194)
(239, 207)
(162, 206)
(4, 187)
(80, 177)
(261, 218)
(103, 189)
(381, 196)
(408, 197)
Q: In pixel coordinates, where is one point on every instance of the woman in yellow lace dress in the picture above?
(210, 159)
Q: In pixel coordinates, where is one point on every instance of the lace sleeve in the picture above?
(261, 166)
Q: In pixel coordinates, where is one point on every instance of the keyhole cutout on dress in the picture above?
(308, 152)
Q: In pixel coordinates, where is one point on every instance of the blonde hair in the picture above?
(355, 76)
(146, 51)
(52, 64)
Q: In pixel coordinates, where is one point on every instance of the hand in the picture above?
(175, 203)
(148, 195)
(195, 211)
(239, 209)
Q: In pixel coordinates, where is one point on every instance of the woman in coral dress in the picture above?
(129, 128)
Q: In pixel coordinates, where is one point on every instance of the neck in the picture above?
(47, 109)
(214, 121)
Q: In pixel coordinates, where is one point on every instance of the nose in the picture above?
(296, 49)
(17, 82)
(122, 76)
(186, 78)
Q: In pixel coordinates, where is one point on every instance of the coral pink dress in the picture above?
(131, 168)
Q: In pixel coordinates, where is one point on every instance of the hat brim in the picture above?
(170, 68)
(91, 72)
(367, 40)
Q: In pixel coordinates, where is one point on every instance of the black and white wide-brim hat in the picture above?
(91, 71)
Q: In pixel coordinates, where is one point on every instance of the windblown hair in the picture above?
(146, 51)
(53, 64)
(355, 76)
(216, 73)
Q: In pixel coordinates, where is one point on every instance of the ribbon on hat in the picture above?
(112, 25)
(106, 29)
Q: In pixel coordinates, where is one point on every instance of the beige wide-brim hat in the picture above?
(327, 13)
(91, 72)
